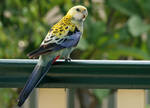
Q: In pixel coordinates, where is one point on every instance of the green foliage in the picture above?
(136, 26)
(7, 98)
(123, 34)
(147, 106)
(114, 29)
(127, 7)
(117, 30)
(101, 93)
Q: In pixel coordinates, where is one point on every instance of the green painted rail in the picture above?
(79, 74)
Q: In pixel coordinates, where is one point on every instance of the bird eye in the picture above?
(78, 9)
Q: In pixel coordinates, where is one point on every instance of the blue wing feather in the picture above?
(72, 40)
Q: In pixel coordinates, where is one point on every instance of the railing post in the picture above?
(33, 99)
(70, 98)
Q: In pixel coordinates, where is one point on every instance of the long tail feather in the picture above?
(34, 53)
(37, 75)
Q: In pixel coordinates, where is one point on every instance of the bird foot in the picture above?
(68, 60)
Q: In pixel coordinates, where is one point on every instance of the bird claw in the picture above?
(68, 60)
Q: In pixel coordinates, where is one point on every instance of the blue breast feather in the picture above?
(71, 40)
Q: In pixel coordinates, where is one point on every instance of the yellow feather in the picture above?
(61, 28)
(68, 23)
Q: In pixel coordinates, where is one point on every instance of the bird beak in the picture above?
(84, 16)
(85, 13)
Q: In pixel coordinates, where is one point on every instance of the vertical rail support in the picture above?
(33, 99)
(70, 98)
(131, 98)
(112, 99)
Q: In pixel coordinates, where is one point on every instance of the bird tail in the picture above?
(37, 75)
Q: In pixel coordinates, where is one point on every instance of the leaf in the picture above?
(144, 4)
(94, 29)
(137, 26)
(134, 52)
(3, 37)
(83, 45)
(128, 7)
(101, 93)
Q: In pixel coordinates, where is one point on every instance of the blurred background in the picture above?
(114, 30)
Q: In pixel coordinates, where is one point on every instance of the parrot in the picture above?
(59, 42)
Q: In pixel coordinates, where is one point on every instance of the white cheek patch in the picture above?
(78, 16)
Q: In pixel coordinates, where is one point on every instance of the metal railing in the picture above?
(79, 74)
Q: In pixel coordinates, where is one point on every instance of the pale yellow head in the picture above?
(78, 13)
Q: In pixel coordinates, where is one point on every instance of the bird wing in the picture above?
(52, 43)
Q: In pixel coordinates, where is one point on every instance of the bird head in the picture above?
(78, 13)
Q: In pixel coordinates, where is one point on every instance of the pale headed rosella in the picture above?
(60, 41)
